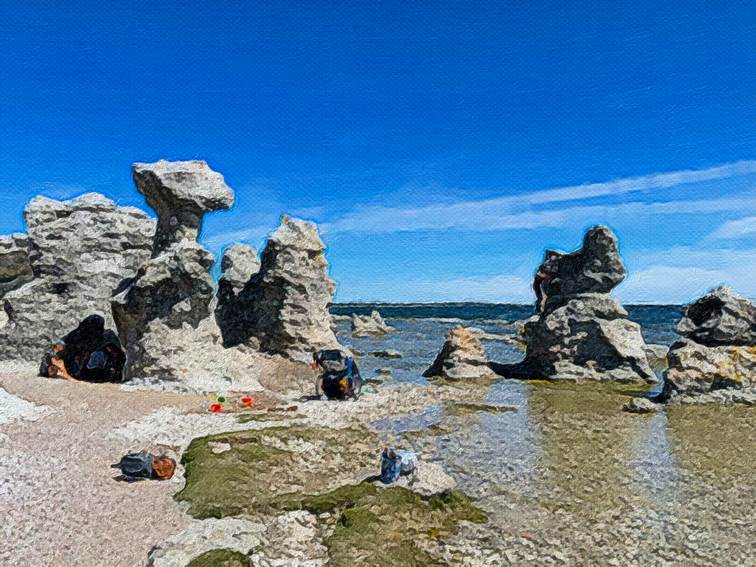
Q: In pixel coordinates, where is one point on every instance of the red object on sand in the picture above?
(247, 400)
(215, 408)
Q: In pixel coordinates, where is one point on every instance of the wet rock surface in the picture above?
(79, 252)
(718, 352)
(461, 358)
(284, 307)
(641, 405)
(373, 324)
(581, 333)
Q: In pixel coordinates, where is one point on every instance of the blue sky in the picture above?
(441, 145)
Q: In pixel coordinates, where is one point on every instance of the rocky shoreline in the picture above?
(290, 481)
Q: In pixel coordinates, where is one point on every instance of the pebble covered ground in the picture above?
(564, 476)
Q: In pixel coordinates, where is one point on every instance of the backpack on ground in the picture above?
(136, 465)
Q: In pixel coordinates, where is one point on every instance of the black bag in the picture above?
(136, 465)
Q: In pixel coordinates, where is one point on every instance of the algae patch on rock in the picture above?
(390, 526)
(265, 470)
(282, 469)
(220, 558)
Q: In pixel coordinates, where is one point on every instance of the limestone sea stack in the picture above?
(165, 314)
(461, 358)
(367, 325)
(284, 306)
(580, 332)
(716, 358)
(78, 252)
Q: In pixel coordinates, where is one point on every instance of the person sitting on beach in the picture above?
(340, 377)
(90, 352)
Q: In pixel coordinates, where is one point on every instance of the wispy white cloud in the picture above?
(736, 229)
(522, 211)
(681, 274)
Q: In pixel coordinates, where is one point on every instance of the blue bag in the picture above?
(391, 466)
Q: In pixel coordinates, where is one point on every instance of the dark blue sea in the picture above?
(421, 328)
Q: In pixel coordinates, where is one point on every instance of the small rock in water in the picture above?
(373, 324)
(641, 405)
(462, 357)
(386, 354)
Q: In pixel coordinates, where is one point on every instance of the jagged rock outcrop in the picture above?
(366, 325)
(181, 192)
(15, 268)
(461, 358)
(165, 314)
(721, 317)
(580, 332)
(79, 251)
(284, 306)
(718, 351)
(238, 265)
(595, 268)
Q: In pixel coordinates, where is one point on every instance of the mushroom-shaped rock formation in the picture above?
(79, 251)
(166, 313)
(181, 192)
(238, 265)
(718, 351)
(461, 358)
(366, 325)
(284, 307)
(580, 332)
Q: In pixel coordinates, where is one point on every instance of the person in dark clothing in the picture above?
(340, 377)
(90, 352)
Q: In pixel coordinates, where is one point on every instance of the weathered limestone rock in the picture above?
(580, 332)
(285, 305)
(721, 317)
(181, 192)
(718, 352)
(165, 314)
(79, 251)
(641, 405)
(238, 265)
(366, 325)
(165, 320)
(594, 268)
(461, 358)
(15, 269)
(696, 369)
(205, 535)
(657, 356)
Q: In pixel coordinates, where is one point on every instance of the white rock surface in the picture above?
(205, 535)
(14, 408)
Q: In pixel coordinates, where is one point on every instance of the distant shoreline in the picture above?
(469, 303)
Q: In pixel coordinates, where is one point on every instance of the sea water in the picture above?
(566, 465)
